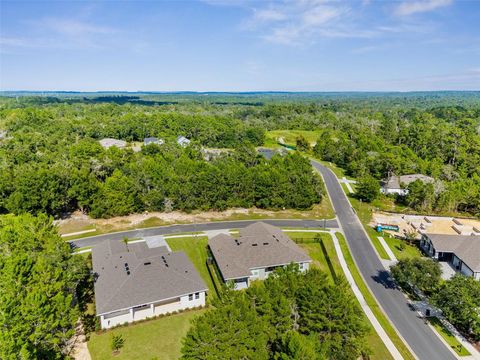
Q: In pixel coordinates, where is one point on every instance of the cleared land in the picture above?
(290, 137)
(79, 222)
(153, 339)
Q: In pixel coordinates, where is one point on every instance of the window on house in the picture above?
(190, 297)
(197, 296)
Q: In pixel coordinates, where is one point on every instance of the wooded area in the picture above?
(52, 162)
(288, 316)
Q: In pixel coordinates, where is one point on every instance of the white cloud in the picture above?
(73, 27)
(412, 7)
(296, 22)
(265, 15)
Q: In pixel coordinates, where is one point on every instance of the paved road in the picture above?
(164, 230)
(418, 335)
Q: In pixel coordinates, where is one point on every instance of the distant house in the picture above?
(135, 282)
(260, 249)
(396, 184)
(153, 140)
(183, 141)
(461, 251)
(108, 143)
(269, 153)
(211, 154)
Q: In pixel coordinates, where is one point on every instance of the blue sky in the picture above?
(233, 45)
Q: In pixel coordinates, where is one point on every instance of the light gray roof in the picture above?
(182, 140)
(154, 274)
(395, 182)
(109, 142)
(465, 247)
(259, 245)
(152, 140)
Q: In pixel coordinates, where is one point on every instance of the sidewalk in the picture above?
(366, 309)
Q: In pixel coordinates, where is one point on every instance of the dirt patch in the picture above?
(427, 224)
(79, 221)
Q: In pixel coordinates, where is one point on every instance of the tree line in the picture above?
(290, 315)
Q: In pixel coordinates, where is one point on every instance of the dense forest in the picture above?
(51, 160)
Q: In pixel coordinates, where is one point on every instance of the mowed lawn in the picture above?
(196, 249)
(153, 339)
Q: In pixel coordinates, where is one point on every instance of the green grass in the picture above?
(290, 136)
(196, 249)
(448, 337)
(408, 252)
(325, 260)
(160, 338)
(372, 303)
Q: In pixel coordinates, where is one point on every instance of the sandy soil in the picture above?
(427, 224)
(79, 221)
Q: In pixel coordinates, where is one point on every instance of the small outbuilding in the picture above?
(183, 141)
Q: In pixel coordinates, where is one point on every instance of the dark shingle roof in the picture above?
(259, 245)
(465, 247)
(138, 275)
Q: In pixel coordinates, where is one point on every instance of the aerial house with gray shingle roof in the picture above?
(135, 282)
(461, 251)
(260, 249)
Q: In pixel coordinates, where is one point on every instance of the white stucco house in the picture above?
(259, 250)
(461, 251)
(135, 282)
(397, 184)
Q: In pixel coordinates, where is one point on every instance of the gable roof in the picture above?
(395, 182)
(152, 140)
(465, 247)
(133, 275)
(182, 140)
(259, 245)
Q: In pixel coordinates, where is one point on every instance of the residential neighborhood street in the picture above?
(221, 225)
(421, 339)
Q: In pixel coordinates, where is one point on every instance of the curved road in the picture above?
(220, 225)
(421, 339)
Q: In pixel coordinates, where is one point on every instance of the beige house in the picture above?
(135, 282)
(259, 250)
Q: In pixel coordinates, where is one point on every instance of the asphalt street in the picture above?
(220, 225)
(421, 339)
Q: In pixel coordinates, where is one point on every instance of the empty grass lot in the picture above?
(372, 303)
(448, 337)
(290, 136)
(153, 339)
